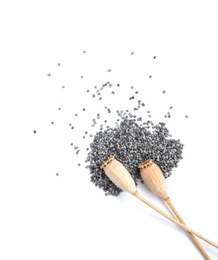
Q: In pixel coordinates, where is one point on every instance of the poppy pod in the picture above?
(119, 175)
(153, 178)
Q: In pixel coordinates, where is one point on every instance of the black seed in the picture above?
(109, 70)
(150, 76)
(34, 131)
(59, 64)
(49, 74)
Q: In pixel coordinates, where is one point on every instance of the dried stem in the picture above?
(196, 242)
(137, 194)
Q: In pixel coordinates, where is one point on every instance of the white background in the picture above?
(44, 216)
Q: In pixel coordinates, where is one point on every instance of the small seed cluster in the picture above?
(131, 144)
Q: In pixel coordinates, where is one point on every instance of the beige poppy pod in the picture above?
(153, 178)
(119, 175)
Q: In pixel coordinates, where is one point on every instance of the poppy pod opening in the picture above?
(153, 178)
(119, 175)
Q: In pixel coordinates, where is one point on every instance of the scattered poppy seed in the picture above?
(84, 109)
(49, 74)
(154, 57)
(109, 70)
(150, 76)
(59, 64)
(59, 108)
(171, 107)
(186, 116)
(131, 53)
(84, 51)
(63, 86)
(57, 174)
(81, 77)
(52, 123)
(34, 131)
(164, 91)
(76, 114)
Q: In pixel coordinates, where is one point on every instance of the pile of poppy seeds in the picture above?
(131, 141)
(131, 144)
